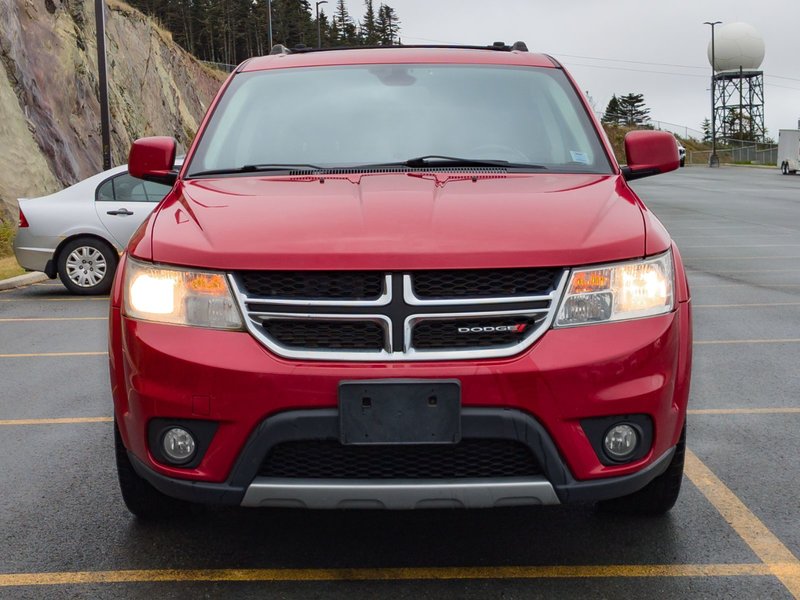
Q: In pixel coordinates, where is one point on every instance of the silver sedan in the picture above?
(78, 233)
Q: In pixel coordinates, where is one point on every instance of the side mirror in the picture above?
(153, 159)
(649, 153)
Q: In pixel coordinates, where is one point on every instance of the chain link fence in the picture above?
(750, 154)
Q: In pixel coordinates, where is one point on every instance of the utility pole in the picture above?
(713, 160)
(319, 29)
(105, 117)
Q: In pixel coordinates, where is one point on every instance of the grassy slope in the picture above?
(9, 268)
(8, 265)
(617, 136)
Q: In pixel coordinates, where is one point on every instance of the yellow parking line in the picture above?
(53, 354)
(753, 305)
(722, 236)
(744, 411)
(26, 319)
(688, 258)
(391, 574)
(694, 286)
(691, 268)
(767, 341)
(743, 246)
(62, 421)
(35, 299)
(782, 563)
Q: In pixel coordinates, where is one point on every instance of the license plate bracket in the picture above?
(400, 411)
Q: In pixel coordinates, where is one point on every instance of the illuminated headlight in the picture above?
(178, 296)
(629, 290)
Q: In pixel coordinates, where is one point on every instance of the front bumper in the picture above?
(632, 367)
(555, 485)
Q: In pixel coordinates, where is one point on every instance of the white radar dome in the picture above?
(737, 45)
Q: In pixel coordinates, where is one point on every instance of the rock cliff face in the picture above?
(49, 108)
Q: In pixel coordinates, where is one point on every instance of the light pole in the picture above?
(105, 119)
(269, 26)
(713, 160)
(319, 29)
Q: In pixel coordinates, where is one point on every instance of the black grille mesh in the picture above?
(313, 285)
(433, 334)
(326, 335)
(331, 460)
(484, 283)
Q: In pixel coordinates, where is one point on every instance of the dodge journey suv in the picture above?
(409, 277)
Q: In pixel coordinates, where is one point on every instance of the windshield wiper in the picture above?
(438, 160)
(266, 168)
(432, 161)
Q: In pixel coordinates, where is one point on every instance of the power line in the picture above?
(634, 62)
(637, 70)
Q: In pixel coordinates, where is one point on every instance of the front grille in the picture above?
(314, 285)
(470, 458)
(436, 334)
(326, 335)
(483, 283)
(396, 316)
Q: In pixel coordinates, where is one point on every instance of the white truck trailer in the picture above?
(789, 151)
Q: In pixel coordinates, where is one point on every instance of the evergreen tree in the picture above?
(324, 29)
(230, 31)
(388, 25)
(369, 29)
(633, 110)
(706, 126)
(348, 35)
(613, 114)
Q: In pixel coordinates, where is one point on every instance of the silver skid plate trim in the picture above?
(402, 494)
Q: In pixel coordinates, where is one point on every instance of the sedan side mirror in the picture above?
(153, 159)
(649, 153)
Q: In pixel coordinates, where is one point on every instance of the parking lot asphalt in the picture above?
(734, 533)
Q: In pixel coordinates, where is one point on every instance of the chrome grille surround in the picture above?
(398, 310)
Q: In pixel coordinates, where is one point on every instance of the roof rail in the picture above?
(496, 46)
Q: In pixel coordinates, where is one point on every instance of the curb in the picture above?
(20, 280)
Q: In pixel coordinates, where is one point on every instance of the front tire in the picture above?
(141, 498)
(86, 266)
(658, 496)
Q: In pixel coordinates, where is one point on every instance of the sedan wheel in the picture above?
(86, 266)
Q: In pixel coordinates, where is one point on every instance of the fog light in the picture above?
(178, 445)
(621, 441)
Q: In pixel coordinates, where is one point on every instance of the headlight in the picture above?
(178, 296)
(628, 290)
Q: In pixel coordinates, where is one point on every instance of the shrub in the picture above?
(6, 237)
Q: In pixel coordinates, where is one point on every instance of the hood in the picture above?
(397, 221)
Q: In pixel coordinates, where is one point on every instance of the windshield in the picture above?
(350, 116)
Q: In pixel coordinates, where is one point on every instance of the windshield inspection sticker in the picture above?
(579, 157)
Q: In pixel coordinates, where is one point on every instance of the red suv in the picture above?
(401, 278)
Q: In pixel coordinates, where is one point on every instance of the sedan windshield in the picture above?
(383, 115)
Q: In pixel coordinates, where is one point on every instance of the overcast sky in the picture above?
(595, 38)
